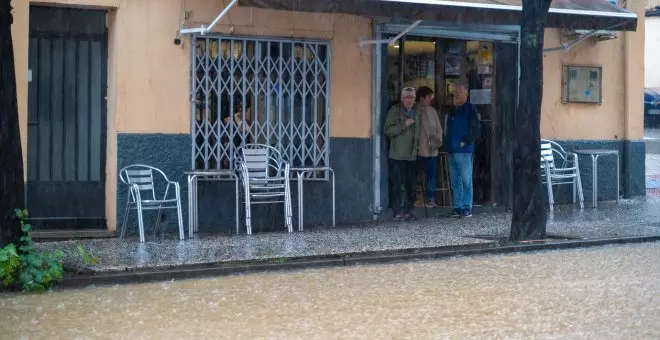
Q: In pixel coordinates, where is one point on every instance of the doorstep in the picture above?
(70, 234)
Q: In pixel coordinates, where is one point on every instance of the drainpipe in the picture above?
(627, 146)
(376, 208)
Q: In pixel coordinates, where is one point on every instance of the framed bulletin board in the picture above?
(582, 84)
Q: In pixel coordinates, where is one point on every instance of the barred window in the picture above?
(266, 91)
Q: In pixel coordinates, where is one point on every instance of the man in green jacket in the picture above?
(402, 128)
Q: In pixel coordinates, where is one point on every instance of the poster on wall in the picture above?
(484, 68)
(480, 97)
(453, 61)
(487, 83)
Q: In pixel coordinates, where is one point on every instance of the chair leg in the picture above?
(574, 189)
(551, 198)
(125, 220)
(158, 216)
(179, 215)
(248, 214)
(288, 211)
(579, 190)
(140, 222)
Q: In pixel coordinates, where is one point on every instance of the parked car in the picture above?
(651, 107)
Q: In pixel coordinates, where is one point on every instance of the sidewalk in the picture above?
(639, 217)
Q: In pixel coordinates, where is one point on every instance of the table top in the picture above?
(597, 151)
(305, 169)
(218, 172)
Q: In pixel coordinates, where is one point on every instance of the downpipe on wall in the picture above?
(375, 206)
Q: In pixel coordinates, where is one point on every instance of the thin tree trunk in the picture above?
(11, 159)
(529, 211)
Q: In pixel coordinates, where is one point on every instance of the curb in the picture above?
(244, 267)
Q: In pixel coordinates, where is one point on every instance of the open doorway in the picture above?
(438, 63)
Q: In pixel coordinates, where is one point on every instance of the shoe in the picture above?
(431, 204)
(398, 218)
(456, 213)
(466, 213)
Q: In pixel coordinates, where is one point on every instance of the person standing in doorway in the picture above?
(402, 128)
(430, 140)
(461, 131)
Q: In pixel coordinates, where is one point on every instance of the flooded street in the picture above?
(598, 293)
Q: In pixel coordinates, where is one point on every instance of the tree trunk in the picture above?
(529, 211)
(12, 194)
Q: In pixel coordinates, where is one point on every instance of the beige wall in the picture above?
(583, 121)
(651, 52)
(633, 60)
(620, 116)
(19, 32)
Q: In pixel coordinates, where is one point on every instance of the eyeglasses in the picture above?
(408, 89)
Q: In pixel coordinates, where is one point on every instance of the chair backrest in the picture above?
(260, 160)
(546, 155)
(548, 151)
(143, 177)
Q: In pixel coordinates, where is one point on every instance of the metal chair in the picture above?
(559, 167)
(142, 196)
(265, 178)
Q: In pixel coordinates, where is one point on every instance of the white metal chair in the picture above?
(142, 195)
(559, 167)
(265, 179)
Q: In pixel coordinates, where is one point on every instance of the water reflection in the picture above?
(610, 292)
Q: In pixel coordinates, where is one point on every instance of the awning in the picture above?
(567, 14)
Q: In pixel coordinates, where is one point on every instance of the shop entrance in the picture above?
(439, 63)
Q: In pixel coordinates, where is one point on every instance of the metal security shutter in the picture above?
(257, 90)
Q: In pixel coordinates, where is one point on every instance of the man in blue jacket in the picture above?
(461, 131)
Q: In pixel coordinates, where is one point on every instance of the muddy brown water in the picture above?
(598, 293)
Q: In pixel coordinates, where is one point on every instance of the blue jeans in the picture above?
(430, 174)
(460, 175)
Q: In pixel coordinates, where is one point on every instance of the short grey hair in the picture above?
(461, 83)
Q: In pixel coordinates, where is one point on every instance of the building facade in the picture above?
(107, 83)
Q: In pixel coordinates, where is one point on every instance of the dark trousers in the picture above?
(430, 173)
(403, 173)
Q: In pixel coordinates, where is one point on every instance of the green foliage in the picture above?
(9, 264)
(87, 257)
(33, 270)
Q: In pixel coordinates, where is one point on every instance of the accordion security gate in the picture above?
(267, 91)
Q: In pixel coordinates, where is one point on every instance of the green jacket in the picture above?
(404, 142)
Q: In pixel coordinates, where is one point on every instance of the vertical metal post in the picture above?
(594, 185)
(375, 127)
(207, 57)
(193, 99)
(328, 115)
(618, 171)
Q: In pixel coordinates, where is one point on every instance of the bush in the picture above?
(33, 270)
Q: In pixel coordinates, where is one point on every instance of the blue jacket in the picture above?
(461, 125)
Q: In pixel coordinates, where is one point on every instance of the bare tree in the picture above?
(529, 214)
(11, 159)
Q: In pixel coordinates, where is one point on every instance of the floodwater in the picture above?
(597, 293)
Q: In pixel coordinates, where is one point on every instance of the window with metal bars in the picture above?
(257, 90)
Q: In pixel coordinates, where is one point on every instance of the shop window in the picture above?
(266, 91)
(582, 84)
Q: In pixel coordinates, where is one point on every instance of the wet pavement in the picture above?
(638, 217)
(610, 292)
